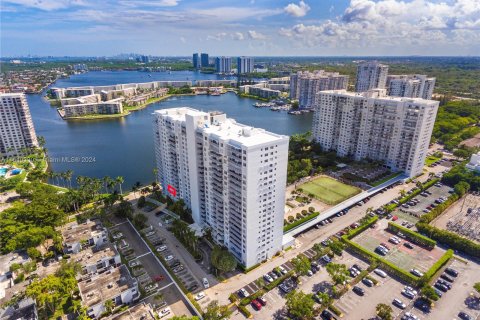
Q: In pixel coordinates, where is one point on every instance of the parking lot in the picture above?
(462, 297)
(356, 307)
(149, 273)
(411, 213)
(418, 257)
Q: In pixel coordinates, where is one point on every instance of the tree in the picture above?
(384, 311)
(109, 305)
(429, 293)
(338, 272)
(324, 298)
(300, 305)
(120, 181)
(301, 264)
(124, 210)
(223, 260)
(462, 188)
(337, 247)
(184, 318)
(419, 185)
(216, 312)
(33, 253)
(476, 286)
(141, 202)
(139, 220)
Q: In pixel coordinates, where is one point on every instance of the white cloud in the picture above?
(254, 35)
(217, 37)
(46, 5)
(297, 10)
(183, 40)
(238, 36)
(385, 23)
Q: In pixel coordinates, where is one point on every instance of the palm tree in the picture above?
(119, 181)
(68, 176)
(403, 193)
(419, 185)
(109, 305)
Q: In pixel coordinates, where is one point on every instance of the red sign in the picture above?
(172, 190)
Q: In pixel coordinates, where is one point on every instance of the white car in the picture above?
(118, 235)
(150, 233)
(243, 292)
(380, 272)
(282, 270)
(151, 287)
(199, 296)
(408, 294)
(268, 278)
(133, 263)
(411, 316)
(164, 312)
(417, 273)
(408, 288)
(161, 248)
(399, 303)
(205, 283)
(168, 258)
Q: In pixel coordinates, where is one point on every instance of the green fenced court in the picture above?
(329, 190)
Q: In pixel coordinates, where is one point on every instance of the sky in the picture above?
(240, 27)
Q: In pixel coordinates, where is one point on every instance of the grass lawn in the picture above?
(329, 191)
(430, 160)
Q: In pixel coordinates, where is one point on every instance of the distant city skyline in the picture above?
(232, 28)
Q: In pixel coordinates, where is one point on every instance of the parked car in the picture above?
(243, 293)
(168, 258)
(256, 305)
(380, 272)
(399, 303)
(358, 290)
(165, 312)
(268, 278)
(416, 272)
(411, 290)
(440, 287)
(452, 272)
(282, 270)
(422, 304)
(262, 301)
(201, 295)
(462, 315)
(408, 245)
(408, 294)
(446, 277)
(161, 248)
(367, 282)
(327, 315)
(205, 282)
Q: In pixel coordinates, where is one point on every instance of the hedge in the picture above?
(437, 266)
(233, 298)
(247, 300)
(407, 198)
(244, 311)
(375, 281)
(438, 210)
(354, 232)
(335, 310)
(300, 221)
(279, 280)
(402, 274)
(412, 235)
(452, 239)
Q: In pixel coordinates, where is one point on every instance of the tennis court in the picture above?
(329, 190)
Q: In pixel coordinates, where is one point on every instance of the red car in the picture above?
(256, 305)
(158, 278)
(395, 218)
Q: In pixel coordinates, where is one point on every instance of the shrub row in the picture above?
(452, 239)
(247, 300)
(437, 266)
(354, 232)
(233, 298)
(408, 197)
(279, 280)
(412, 235)
(335, 310)
(300, 221)
(387, 265)
(244, 311)
(438, 210)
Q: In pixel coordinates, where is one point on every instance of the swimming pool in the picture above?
(3, 172)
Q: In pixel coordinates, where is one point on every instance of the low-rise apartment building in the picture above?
(80, 236)
(93, 98)
(105, 107)
(97, 258)
(261, 89)
(372, 125)
(115, 284)
(232, 176)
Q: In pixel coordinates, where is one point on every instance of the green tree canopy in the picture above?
(338, 272)
(301, 264)
(384, 311)
(300, 305)
(222, 260)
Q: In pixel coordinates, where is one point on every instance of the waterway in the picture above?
(124, 146)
